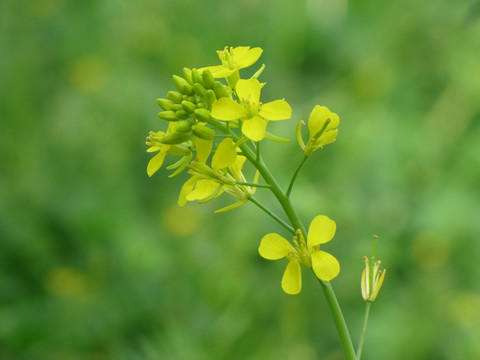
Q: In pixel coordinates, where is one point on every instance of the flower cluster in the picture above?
(216, 120)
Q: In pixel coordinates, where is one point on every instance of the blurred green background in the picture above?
(98, 262)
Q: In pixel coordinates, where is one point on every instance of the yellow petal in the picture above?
(203, 189)
(218, 71)
(276, 110)
(156, 163)
(292, 278)
(186, 189)
(225, 155)
(249, 90)
(153, 148)
(227, 109)
(204, 148)
(274, 247)
(244, 59)
(324, 265)
(322, 229)
(236, 167)
(231, 207)
(317, 119)
(254, 128)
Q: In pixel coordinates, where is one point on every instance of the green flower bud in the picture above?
(203, 115)
(182, 85)
(184, 126)
(181, 114)
(219, 89)
(175, 138)
(198, 89)
(197, 77)
(188, 106)
(208, 79)
(165, 104)
(175, 96)
(210, 97)
(203, 132)
(176, 107)
(188, 75)
(201, 105)
(167, 115)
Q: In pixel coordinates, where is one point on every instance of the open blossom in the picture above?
(234, 59)
(308, 254)
(250, 110)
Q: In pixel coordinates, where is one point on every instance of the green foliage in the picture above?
(95, 264)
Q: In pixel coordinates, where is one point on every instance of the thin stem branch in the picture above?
(364, 330)
(272, 215)
(290, 186)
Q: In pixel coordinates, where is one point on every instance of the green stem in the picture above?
(364, 330)
(296, 222)
(272, 215)
(252, 184)
(290, 186)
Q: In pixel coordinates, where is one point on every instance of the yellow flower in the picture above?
(153, 140)
(325, 266)
(206, 182)
(250, 110)
(321, 132)
(234, 59)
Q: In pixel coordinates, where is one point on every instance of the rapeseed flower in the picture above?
(322, 125)
(234, 59)
(325, 266)
(250, 110)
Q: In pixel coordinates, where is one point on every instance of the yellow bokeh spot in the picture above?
(181, 221)
(465, 309)
(430, 250)
(64, 281)
(89, 75)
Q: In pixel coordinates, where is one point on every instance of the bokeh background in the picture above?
(97, 261)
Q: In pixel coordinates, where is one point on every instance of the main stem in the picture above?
(296, 222)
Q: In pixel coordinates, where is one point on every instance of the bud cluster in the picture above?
(189, 106)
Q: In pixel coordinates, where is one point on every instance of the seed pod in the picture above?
(203, 115)
(175, 96)
(167, 115)
(175, 138)
(203, 132)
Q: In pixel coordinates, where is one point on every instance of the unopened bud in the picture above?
(184, 126)
(203, 115)
(188, 75)
(182, 114)
(219, 89)
(175, 96)
(165, 104)
(198, 89)
(210, 97)
(182, 85)
(203, 132)
(167, 115)
(196, 77)
(188, 106)
(175, 138)
(208, 79)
